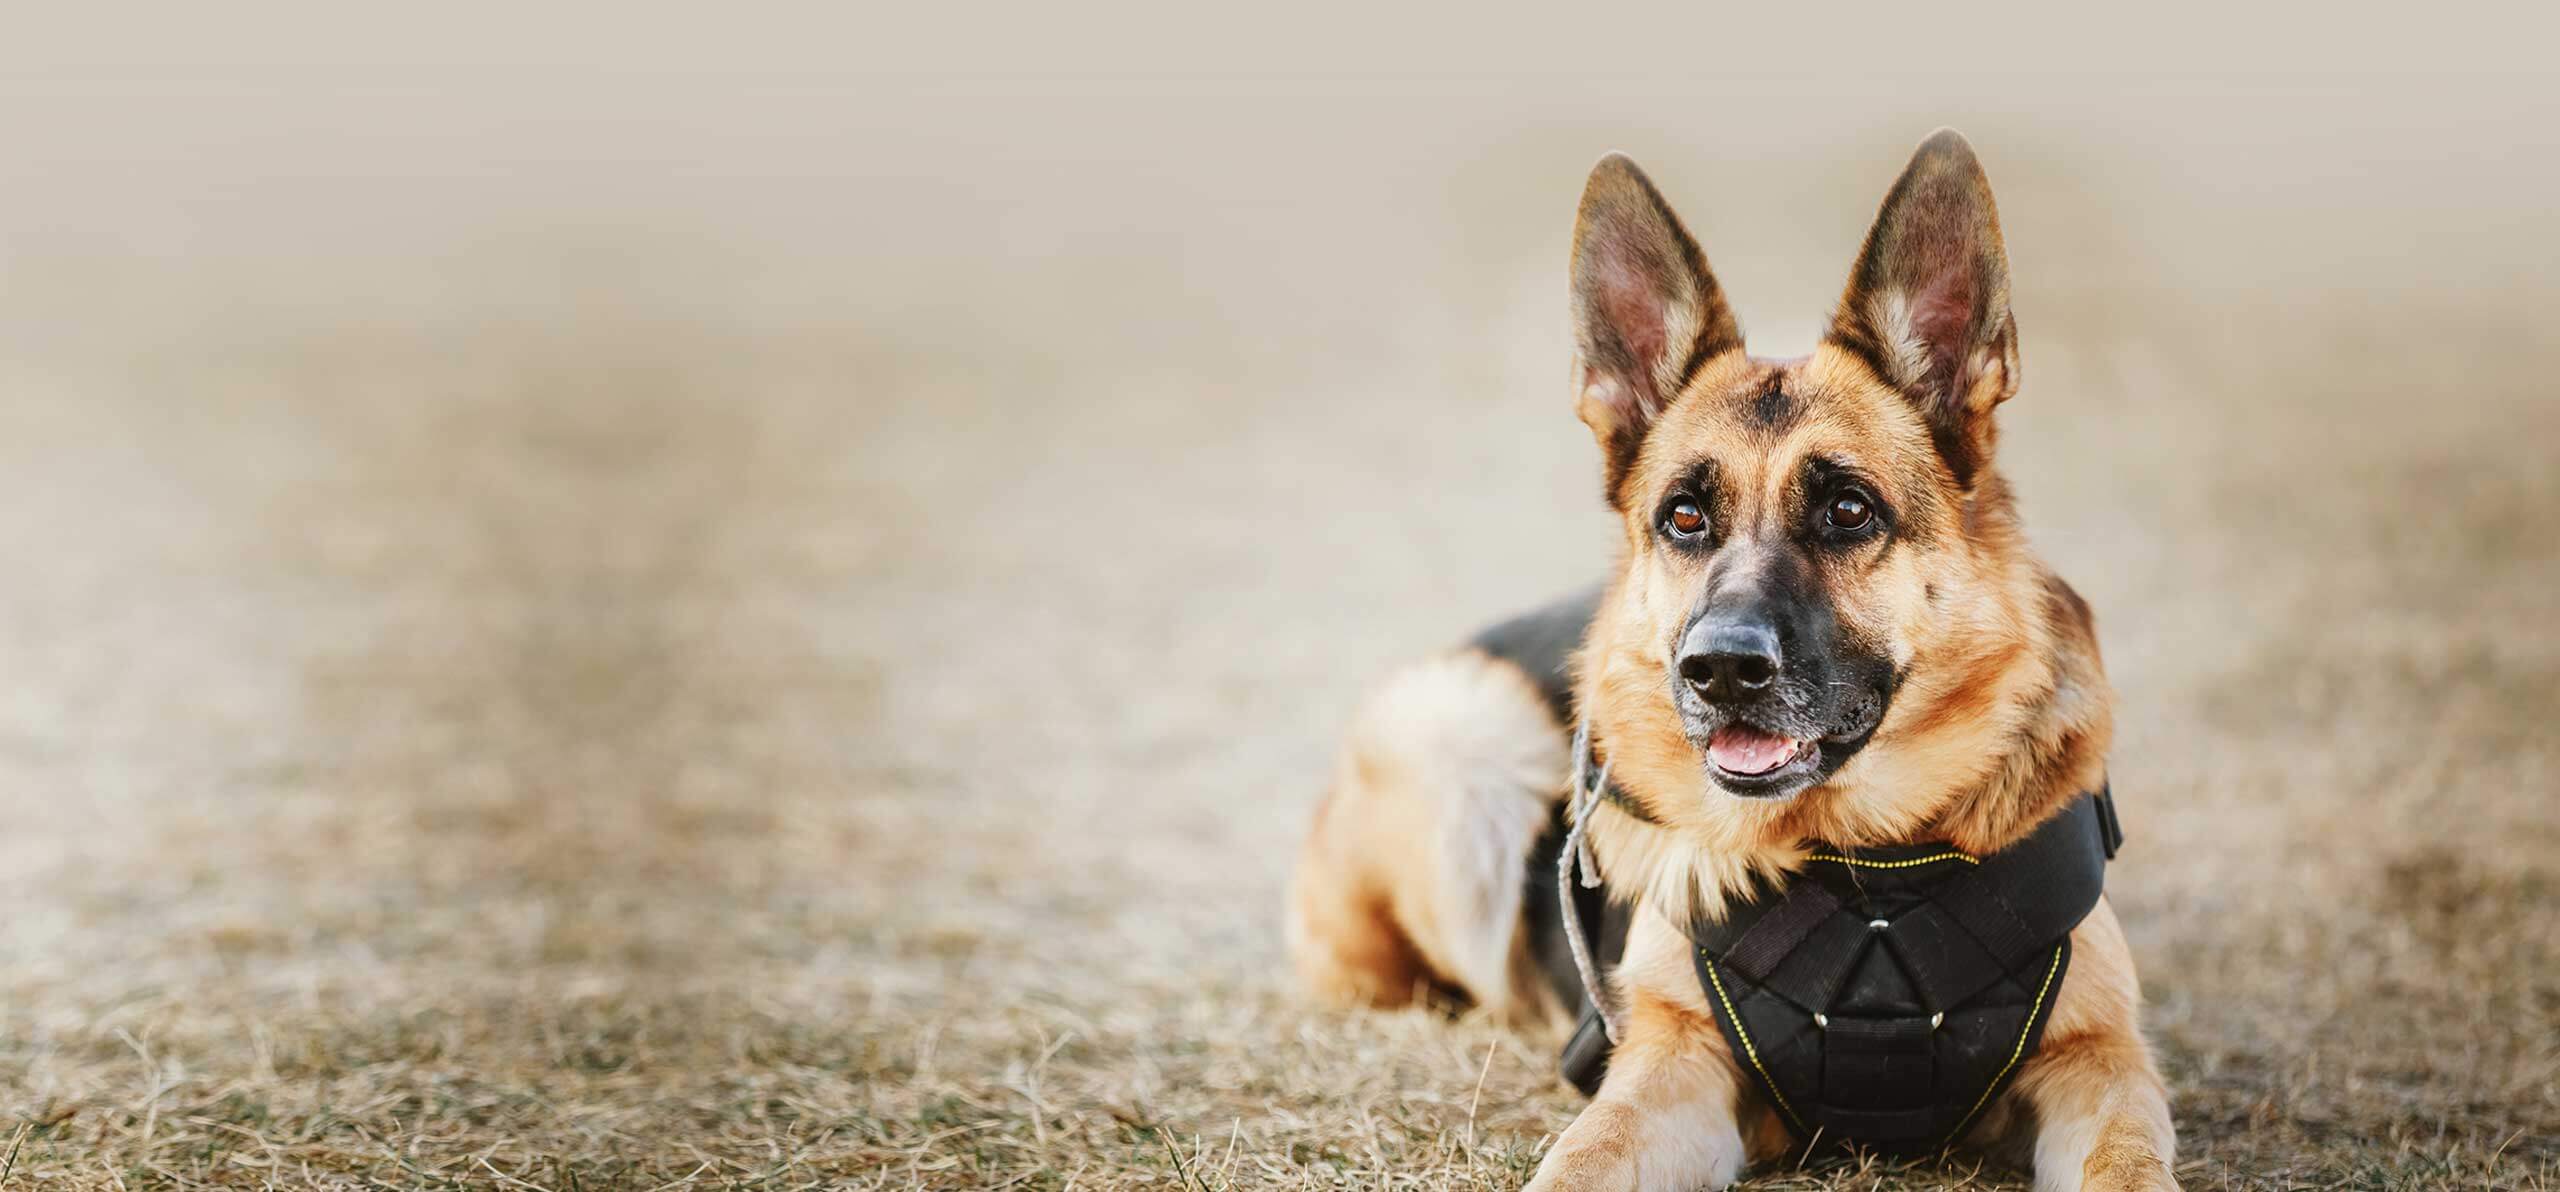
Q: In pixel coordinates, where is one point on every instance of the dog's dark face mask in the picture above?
(1774, 689)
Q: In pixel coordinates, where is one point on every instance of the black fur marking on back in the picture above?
(1541, 643)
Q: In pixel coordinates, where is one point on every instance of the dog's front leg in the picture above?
(1664, 1118)
(2103, 1122)
(2101, 1110)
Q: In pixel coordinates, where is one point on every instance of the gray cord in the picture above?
(1584, 800)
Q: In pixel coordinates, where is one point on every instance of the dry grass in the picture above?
(635, 742)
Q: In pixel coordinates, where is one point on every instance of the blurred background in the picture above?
(609, 599)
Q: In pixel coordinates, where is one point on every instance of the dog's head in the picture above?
(1809, 542)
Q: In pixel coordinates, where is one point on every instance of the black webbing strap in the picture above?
(1877, 1074)
(1585, 1061)
(1773, 934)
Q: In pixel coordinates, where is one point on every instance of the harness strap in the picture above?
(1869, 1065)
(1774, 934)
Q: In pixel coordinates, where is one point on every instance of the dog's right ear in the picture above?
(1646, 313)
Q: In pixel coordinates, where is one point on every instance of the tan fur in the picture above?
(2092, 1084)
(1411, 877)
(2002, 716)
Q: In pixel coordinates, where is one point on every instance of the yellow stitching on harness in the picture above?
(2014, 1052)
(1967, 858)
(1749, 1050)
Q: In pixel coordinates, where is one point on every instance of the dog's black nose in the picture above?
(1729, 662)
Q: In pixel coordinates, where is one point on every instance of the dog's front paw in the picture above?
(2129, 1154)
(1583, 1170)
(2124, 1161)
(2149, 1177)
(1605, 1151)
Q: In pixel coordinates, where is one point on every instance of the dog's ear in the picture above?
(1928, 305)
(1646, 313)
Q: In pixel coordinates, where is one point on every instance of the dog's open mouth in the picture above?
(1744, 751)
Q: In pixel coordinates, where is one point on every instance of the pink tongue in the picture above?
(1741, 749)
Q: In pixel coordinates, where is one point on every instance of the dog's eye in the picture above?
(1849, 511)
(1685, 520)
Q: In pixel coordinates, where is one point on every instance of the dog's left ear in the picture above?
(1928, 305)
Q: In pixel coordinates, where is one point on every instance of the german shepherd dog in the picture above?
(1824, 625)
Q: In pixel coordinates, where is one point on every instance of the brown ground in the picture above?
(759, 630)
